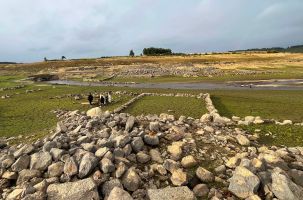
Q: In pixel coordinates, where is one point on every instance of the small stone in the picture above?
(130, 123)
(283, 187)
(233, 162)
(220, 170)
(78, 190)
(122, 140)
(205, 118)
(253, 197)
(142, 157)
(15, 194)
(108, 186)
(56, 153)
(170, 165)
(70, 167)
(178, 177)
(131, 180)
(10, 175)
(159, 168)
(175, 150)
(188, 161)
(242, 140)
(243, 183)
(154, 126)
(121, 168)
(101, 152)
(94, 112)
(87, 164)
(201, 190)
(169, 193)
(151, 139)
(56, 169)
(297, 176)
(155, 156)
(26, 174)
(119, 194)
(40, 161)
(204, 175)
(21, 163)
(106, 165)
(7, 161)
(137, 144)
(25, 149)
(49, 145)
(41, 186)
(209, 129)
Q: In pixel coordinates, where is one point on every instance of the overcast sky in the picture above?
(33, 29)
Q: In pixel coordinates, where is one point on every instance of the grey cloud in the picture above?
(32, 29)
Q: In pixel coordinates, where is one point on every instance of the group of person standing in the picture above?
(103, 99)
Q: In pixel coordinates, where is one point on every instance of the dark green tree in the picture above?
(151, 51)
(131, 53)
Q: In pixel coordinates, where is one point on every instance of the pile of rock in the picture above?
(249, 120)
(153, 70)
(118, 156)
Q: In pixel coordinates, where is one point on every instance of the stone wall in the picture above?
(247, 120)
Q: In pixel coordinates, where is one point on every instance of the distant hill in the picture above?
(7, 63)
(290, 49)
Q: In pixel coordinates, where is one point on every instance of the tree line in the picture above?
(152, 51)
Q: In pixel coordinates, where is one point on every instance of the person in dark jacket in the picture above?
(90, 98)
(106, 99)
(102, 100)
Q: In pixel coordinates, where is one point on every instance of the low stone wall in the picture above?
(248, 120)
(213, 114)
(124, 106)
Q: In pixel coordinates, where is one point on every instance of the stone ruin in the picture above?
(118, 156)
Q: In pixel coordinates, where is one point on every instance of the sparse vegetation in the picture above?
(288, 135)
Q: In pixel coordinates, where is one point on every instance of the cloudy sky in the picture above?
(33, 29)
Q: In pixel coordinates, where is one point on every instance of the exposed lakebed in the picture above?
(276, 84)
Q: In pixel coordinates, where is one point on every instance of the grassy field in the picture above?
(9, 81)
(278, 105)
(30, 113)
(178, 106)
(278, 135)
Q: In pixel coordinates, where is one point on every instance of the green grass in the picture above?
(8, 81)
(28, 114)
(288, 135)
(178, 105)
(278, 105)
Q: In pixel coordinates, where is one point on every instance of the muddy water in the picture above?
(278, 84)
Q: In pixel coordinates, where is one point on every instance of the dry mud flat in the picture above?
(276, 84)
(97, 155)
